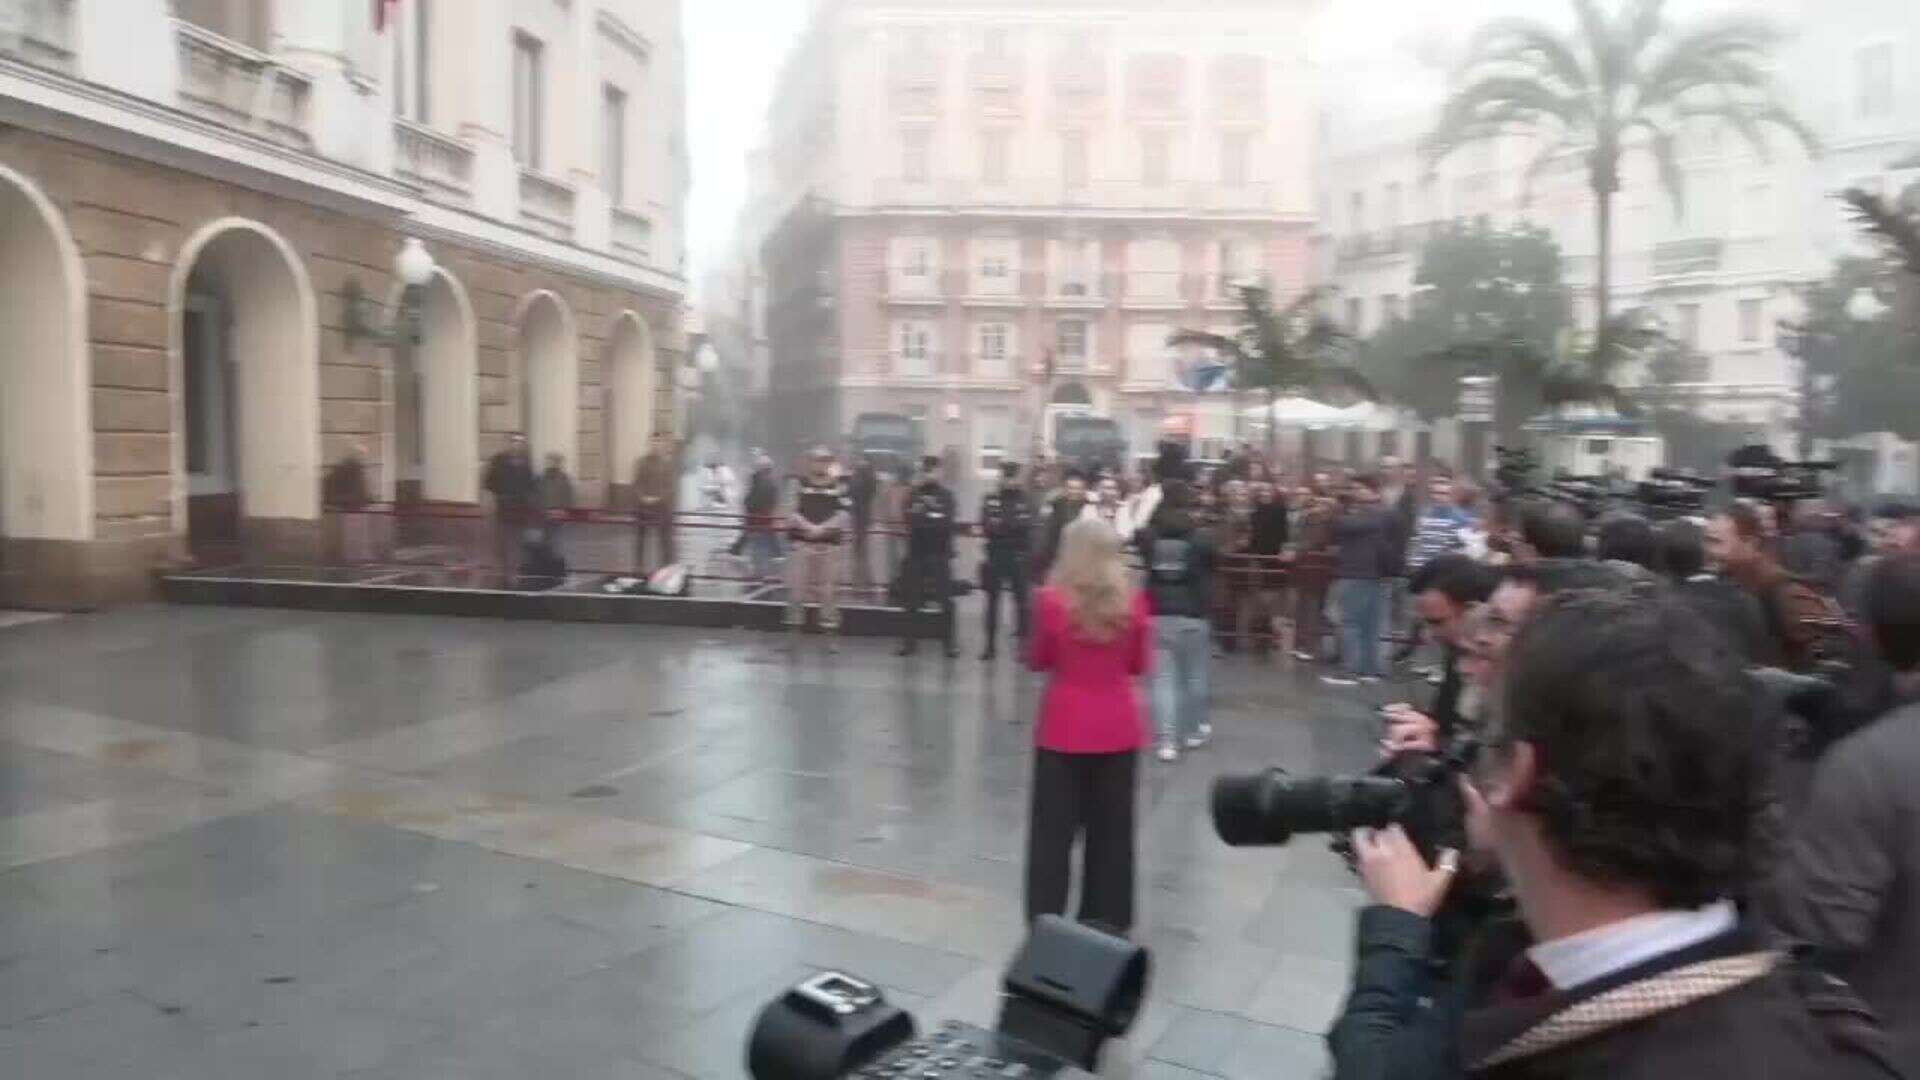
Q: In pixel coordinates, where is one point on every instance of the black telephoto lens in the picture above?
(1271, 807)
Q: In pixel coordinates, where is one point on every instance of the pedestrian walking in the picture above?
(1180, 569)
(1006, 519)
(762, 543)
(822, 514)
(1090, 637)
(927, 573)
(510, 483)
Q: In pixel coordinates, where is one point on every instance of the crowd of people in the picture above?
(1683, 743)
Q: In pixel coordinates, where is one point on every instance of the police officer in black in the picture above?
(1006, 520)
(927, 573)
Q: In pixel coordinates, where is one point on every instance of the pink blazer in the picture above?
(1090, 706)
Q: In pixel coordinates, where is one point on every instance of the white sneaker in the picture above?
(1194, 742)
(1339, 680)
(1168, 753)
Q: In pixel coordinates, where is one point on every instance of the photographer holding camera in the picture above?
(1620, 784)
(1849, 884)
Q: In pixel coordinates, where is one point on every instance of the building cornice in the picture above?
(625, 37)
(94, 115)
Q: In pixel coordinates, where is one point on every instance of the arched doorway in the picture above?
(246, 358)
(546, 378)
(46, 445)
(436, 424)
(629, 416)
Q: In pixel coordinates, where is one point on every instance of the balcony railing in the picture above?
(441, 164)
(1155, 286)
(232, 84)
(1676, 257)
(546, 204)
(39, 32)
(632, 234)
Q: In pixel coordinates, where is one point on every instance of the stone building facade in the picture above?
(180, 234)
(972, 194)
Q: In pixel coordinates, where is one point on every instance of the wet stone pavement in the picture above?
(254, 843)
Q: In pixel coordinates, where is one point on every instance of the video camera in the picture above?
(1513, 470)
(1759, 473)
(1673, 493)
(1069, 989)
(1416, 790)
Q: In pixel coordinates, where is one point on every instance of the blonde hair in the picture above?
(1091, 576)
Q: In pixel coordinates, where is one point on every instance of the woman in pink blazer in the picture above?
(1093, 636)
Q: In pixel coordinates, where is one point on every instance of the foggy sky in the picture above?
(735, 48)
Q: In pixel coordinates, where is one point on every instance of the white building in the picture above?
(1722, 271)
(191, 191)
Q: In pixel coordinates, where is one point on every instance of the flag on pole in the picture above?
(381, 10)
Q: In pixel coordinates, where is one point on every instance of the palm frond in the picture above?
(1323, 377)
(1496, 105)
(1643, 26)
(1899, 233)
(1706, 52)
(1596, 33)
(1664, 148)
(1531, 43)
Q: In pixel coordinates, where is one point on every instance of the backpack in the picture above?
(1171, 561)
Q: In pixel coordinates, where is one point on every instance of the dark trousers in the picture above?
(1005, 571)
(862, 554)
(1089, 797)
(659, 523)
(924, 579)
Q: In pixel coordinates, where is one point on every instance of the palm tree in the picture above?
(1282, 351)
(1891, 224)
(1627, 81)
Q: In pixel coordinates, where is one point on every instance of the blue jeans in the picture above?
(762, 548)
(1359, 602)
(1181, 652)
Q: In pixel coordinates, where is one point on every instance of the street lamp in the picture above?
(413, 267)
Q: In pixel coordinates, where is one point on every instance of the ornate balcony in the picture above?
(440, 164)
(39, 32)
(546, 205)
(632, 235)
(1679, 257)
(225, 81)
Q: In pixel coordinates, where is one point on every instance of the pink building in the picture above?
(966, 191)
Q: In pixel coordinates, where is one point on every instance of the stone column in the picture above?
(478, 55)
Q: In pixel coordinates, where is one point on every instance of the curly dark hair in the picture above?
(1650, 742)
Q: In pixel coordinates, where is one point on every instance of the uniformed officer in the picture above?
(927, 573)
(822, 513)
(1006, 520)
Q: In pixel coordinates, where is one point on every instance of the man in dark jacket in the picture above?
(1006, 521)
(1794, 611)
(510, 482)
(1849, 884)
(1631, 960)
(1180, 567)
(1681, 554)
(817, 528)
(927, 573)
(862, 487)
(1362, 535)
(556, 499)
(760, 540)
(1266, 544)
(1064, 511)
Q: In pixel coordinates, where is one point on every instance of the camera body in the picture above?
(1673, 493)
(1759, 473)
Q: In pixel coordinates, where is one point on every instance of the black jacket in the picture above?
(1403, 1021)
(1061, 514)
(930, 513)
(1006, 520)
(1180, 562)
(510, 481)
(1734, 612)
(1849, 883)
(1363, 540)
(860, 490)
(1269, 528)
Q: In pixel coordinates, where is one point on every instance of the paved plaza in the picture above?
(256, 843)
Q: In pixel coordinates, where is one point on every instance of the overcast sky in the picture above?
(735, 49)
